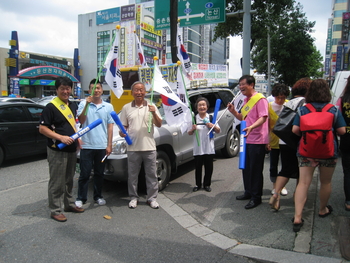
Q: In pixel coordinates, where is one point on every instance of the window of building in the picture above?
(339, 13)
(340, 1)
(335, 41)
(103, 40)
(337, 28)
(90, 22)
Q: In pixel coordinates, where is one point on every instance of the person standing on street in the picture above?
(319, 96)
(135, 118)
(344, 107)
(255, 113)
(57, 123)
(204, 152)
(279, 92)
(96, 144)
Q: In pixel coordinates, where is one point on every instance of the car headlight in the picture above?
(119, 147)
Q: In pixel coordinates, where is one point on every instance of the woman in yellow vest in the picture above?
(280, 92)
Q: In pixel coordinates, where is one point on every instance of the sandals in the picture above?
(330, 210)
(274, 203)
(297, 227)
(347, 207)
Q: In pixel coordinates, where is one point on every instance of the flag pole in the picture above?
(189, 104)
(104, 61)
(155, 58)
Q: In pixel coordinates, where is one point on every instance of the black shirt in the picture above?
(55, 121)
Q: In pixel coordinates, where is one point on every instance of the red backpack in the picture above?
(317, 139)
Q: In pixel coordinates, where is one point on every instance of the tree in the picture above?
(293, 54)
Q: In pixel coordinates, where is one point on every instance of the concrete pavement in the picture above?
(259, 233)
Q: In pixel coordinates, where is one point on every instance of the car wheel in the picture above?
(163, 169)
(231, 148)
(2, 156)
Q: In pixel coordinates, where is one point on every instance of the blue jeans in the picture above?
(345, 160)
(89, 159)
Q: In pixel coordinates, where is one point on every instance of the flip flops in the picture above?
(297, 227)
(347, 207)
(330, 210)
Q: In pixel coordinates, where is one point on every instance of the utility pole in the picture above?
(173, 29)
(246, 34)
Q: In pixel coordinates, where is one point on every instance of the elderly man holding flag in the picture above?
(135, 119)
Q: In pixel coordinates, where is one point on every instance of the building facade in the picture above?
(96, 31)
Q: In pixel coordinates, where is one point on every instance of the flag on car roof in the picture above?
(140, 56)
(176, 112)
(182, 53)
(113, 75)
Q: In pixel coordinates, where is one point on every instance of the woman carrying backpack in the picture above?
(344, 107)
(324, 153)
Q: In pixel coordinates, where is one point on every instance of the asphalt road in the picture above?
(27, 234)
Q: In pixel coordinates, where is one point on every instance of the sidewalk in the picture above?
(260, 233)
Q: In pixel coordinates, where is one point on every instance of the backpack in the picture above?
(317, 139)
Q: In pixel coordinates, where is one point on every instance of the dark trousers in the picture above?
(253, 179)
(207, 161)
(346, 170)
(274, 158)
(289, 162)
(89, 159)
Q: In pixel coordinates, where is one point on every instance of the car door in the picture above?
(35, 114)
(17, 135)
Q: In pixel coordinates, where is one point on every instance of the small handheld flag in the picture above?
(113, 75)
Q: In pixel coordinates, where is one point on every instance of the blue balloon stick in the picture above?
(121, 127)
(242, 145)
(81, 132)
(216, 110)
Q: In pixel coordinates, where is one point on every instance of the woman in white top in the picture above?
(204, 152)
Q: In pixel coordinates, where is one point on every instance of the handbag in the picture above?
(284, 124)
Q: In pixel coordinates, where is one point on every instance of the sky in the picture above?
(51, 27)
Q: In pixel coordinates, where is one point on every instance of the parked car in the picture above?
(46, 100)
(173, 147)
(10, 99)
(19, 130)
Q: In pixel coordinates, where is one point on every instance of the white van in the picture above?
(338, 86)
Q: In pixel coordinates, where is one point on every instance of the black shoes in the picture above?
(243, 197)
(207, 188)
(252, 204)
(196, 188)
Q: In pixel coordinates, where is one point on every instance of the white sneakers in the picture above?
(154, 204)
(284, 191)
(100, 201)
(79, 204)
(133, 203)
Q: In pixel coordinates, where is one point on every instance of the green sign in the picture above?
(190, 12)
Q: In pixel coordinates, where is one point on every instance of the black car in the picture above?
(19, 130)
(10, 99)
